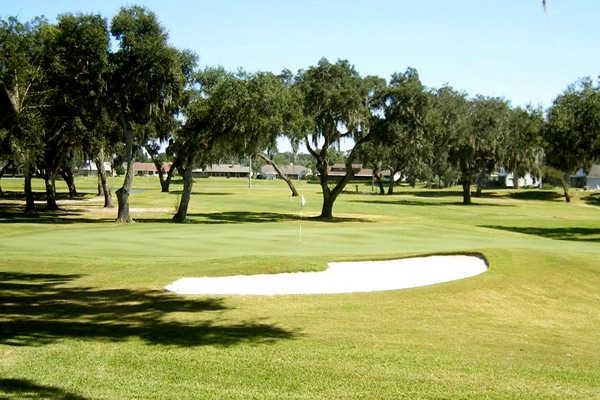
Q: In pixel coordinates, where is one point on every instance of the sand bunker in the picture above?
(340, 277)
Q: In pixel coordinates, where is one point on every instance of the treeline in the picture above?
(66, 94)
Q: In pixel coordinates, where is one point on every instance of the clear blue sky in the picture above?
(507, 48)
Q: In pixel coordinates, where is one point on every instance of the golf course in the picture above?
(84, 313)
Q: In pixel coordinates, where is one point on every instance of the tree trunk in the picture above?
(99, 190)
(104, 187)
(50, 180)
(328, 197)
(479, 181)
(391, 184)
(2, 170)
(29, 201)
(123, 192)
(281, 174)
(565, 187)
(327, 209)
(69, 179)
(167, 183)
(159, 169)
(379, 180)
(162, 180)
(466, 185)
(184, 202)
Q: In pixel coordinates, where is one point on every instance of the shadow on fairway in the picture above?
(593, 199)
(179, 192)
(25, 389)
(41, 196)
(430, 193)
(38, 309)
(15, 214)
(404, 202)
(542, 195)
(239, 217)
(571, 233)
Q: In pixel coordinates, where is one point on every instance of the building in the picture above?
(338, 171)
(506, 179)
(148, 169)
(89, 169)
(291, 171)
(590, 180)
(222, 170)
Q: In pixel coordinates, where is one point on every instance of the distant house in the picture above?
(338, 171)
(291, 171)
(590, 180)
(507, 179)
(148, 169)
(222, 170)
(89, 169)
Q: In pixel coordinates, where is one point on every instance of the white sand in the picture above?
(340, 277)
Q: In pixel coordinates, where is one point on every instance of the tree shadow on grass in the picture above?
(542, 195)
(593, 199)
(404, 202)
(239, 217)
(180, 192)
(41, 196)
(430, 193)
(38, 309)
(15, 214)
(570, 233)
(25, 389)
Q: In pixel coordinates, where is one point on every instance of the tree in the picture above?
(445, 122)
(271, 110)
(479, 148)
(572, 135)
(212, 125)
(523, 145)
(146, 75)
(75, 62)
(339, 105)
(405, 105)
(81, 72)
(23, 80)
(165, 121)
(373, 154)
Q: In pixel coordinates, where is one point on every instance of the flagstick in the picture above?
(300, 220)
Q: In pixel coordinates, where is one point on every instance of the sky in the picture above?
(510, 48)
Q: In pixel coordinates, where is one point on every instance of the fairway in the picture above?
(84, 314)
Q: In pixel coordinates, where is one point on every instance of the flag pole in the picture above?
(302, 203)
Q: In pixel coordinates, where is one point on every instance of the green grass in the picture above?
(83, 314)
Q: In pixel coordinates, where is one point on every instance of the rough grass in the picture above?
(83, 314)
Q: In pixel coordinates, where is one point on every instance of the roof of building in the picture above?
(91, 166)
(594, 171)
(150, 167)
(228, 168)
(359, 171)
(286, 169)
(342, 167)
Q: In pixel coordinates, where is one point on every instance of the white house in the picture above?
(89, 168)
(507, 179)
(590, 180)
